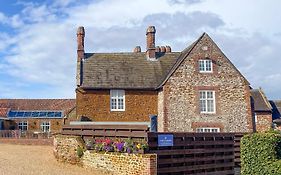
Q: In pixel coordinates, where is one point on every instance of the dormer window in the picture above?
(205, 66)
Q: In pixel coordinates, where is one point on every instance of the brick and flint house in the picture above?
(197, 89)
(262, 110)
(40, 115)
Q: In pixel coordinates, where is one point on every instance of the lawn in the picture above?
(35, 160)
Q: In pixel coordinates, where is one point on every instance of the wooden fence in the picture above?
(192, 153)
(195, 153)
(111, 131)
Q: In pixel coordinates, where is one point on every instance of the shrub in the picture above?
(260, 153)
(79, 151)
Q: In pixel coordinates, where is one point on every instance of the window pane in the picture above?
(208, 65)
(210, 106)
(201, 65)
(202, 95)
(202, 106)
(209, 94)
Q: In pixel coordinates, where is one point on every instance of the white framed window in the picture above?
(207, 101)
(207, 129)
(23, 125)
(117, 100)
(205, 66)
(45, 126)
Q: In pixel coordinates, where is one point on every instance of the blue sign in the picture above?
(165, 140)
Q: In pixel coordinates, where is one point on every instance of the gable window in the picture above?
(23, 125)
(117, 100)
(45, 126)
(205, 66)
(207, 129)
(207, 101)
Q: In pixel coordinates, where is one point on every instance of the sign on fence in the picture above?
(165, 140)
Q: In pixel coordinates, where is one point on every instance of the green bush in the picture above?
(79, 151)
(260, 153)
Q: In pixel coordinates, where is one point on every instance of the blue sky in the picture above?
(38, 38)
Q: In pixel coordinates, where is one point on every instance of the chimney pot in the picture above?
(163, 49)
(168, 49)
(137, 49)
(157, 49)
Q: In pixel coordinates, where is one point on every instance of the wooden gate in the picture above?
(195, 153)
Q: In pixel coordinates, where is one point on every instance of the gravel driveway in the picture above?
(35, 160)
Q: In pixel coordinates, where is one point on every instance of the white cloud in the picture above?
(43, 49)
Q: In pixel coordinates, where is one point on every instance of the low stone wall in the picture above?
(65, 149)
(121, 163)
(27, 141)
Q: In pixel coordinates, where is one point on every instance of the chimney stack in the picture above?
(80, 54)
(150, 43)
(80, 43)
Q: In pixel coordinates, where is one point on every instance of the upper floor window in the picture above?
(205, 66)
(117, 100)
(23, 125)
(45, 126)
(207, 129)
(207, 101)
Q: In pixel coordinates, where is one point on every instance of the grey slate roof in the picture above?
(276, 109)
(261, 104)
(125, 70)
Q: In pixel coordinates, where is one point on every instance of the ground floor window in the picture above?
(23, 125)
(45, 126)
(207, 129)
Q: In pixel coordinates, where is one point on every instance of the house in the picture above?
(262, 110)
(276, 113)
(197, 89)
(45, 115)
(5, 123)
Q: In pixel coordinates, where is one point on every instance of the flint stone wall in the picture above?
(65, 148)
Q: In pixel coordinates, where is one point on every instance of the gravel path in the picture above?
(35, 160)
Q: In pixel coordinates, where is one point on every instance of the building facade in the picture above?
(197, 89)
(36, 115)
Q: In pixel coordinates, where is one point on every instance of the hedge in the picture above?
(260, 153)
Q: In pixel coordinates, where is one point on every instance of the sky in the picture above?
(38, 38)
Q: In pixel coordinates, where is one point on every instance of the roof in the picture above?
(276, 109)
(261, 104)
(3, 112)
(64, 105)
(125, 70)
(132, 70)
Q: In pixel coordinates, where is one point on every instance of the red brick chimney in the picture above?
(80, 53)
(150, 43)
(80, 43)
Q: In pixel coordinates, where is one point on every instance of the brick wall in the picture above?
(181, 93)
(34, 124)
(96, 105)
(263, 121)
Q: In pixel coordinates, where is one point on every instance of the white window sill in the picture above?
(116, 110)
